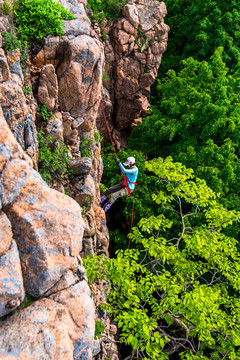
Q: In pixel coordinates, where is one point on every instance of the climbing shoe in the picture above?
(107, 206)
(102, 199)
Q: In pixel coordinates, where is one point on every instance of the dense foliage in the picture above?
(180, 293)
(196, 120)
(176, 294)
(38, 18)
(200, 27)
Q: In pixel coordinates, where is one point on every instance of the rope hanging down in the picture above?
(116, 159)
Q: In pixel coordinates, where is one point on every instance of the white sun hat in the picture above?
(130, 161)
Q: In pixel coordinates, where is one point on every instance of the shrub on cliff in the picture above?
(38, 18)
(178, 296)
(53, 159)
(110, 9)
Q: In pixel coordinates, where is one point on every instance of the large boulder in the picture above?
(48, 87)
(80, 78)
(11, 283)
(15, 165)
(48, 228)
(57, 328)
(5, 233)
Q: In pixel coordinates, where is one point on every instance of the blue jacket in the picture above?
(131, 175)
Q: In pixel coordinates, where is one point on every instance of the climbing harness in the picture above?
(125, 179)
(125, 182)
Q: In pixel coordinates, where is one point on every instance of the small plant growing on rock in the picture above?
(97, 136)
(99, 328)
(7, 7)
(104, 36)
(110, 9)
(12, 43)
(42, 109)
(85, 147)
(105, 77)
(53, 159)
(87, 143)
(26, 90)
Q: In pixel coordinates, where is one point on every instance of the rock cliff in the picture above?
(133, 48)
(41, 236)
(46, 307)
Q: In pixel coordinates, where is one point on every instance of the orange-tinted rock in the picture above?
(15, 165)
(19, 117)
(138, 42)
(11, 282)
(5, 233)
(60, 328)
(15, 66)
(80, 79)
(4, 68)
(39, 59)
(55, 127)
(81, 166)
(48, 87)
(48, 229)
(85, 190)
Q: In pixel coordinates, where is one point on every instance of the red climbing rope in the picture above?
(108, 129)
(125, 179)
(131, 222)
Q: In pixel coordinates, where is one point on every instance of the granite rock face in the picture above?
(41, 238)
(18, 112)
(48, 87)
(57, 328)
(133, 51)
(5, 233)
(78, 60)
(11, 282)
(48, 228)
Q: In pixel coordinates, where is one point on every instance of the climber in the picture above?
(125, 187)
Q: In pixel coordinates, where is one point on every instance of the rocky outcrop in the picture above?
(77, 61)
(41, 238)
(133, 48)
(18, 110)
(59, 327)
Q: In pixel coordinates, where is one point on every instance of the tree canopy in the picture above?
(179, 293)
(175, 295)
(200, 27)
(197, 121)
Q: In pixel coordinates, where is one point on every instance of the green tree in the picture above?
(177, 297)
(200, 27)
(197, 121)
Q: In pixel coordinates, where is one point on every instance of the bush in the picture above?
(87, 144)
(109, 9)
(7, 7)
(42, 109)
(11, 43)
(53, 159)
(38, 18)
